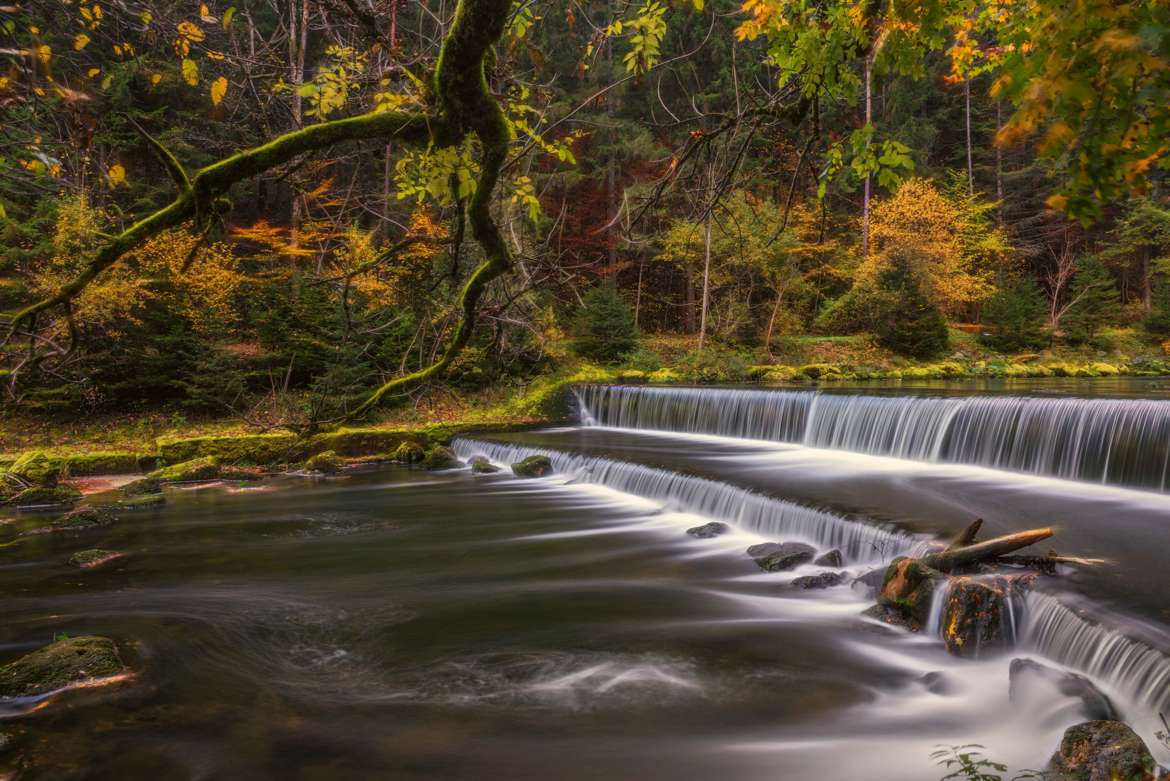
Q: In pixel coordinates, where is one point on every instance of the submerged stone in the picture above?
(708, 530)
(64, 663)
(823, 580)
(43, 496)
(325, 463)
(533, 466)
(831, 559)
(206, 468)
(439, 457)
(1101, 750)
(409, 453)
(780, 556)
(1026, 672)
(84, 518)
(480, 465)
(93, 558)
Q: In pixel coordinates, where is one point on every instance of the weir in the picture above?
(1122, 442)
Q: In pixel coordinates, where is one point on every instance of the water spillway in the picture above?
(1124, 442)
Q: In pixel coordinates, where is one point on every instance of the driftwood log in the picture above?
(964, 551)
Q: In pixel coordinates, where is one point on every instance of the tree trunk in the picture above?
(868, 177)
(298, 35)
(970, 161)
(951, 559)
(998, 161)
(706, 279)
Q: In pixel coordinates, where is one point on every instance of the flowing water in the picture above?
(396, 623)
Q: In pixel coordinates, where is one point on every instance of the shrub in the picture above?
(643, 360)
(1015, 318)
(907, 322)
(604, 328)
(715, 364)
(1157, 322)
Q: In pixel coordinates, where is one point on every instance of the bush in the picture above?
(907, 322)
(604, 327)
(643, 360)
(1157, 322)
(714, 364)
(1015, 318)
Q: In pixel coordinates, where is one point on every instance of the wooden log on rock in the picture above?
(952, 558)
(967, 536)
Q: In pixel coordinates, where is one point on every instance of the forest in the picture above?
(631, 389)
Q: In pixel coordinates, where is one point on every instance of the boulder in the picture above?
(1025, 673)
(908, 589)
(84, 518)
(66, 662)
(823, 580)
(936, 683)
(708, 530)
(325, 463)
(977, 613)
(35, 468)
(831, 559)
(409, 453)
(44, 496)
(439, 457)
(533, 466)
(1101, 750)
(871, 582)
(142, 487)
(481, 465)
(93, 558)
(206, 468)
(780, 556)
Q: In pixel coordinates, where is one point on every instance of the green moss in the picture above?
(326, 463)
(101, 463)
(140, 501)
(64, 663)
(93, 557)
(141, 487)
(480, 465)
(439, 457)
(533, 466)
(409, 453)
(84, 519)
(205, 468)
(256, 449)
(37, 468)
(43, 496)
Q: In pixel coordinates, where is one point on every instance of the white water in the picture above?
(776, 518)
(1113, 441)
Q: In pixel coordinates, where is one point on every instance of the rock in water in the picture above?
(780, 556)
(409, 453)
(708, 530)
(64, 663)
(145, 486)
(908, 590)
(439, 457)
(824, 580)
(1101, 751)
(977, 613)
(83, 519)
(206, 468)
(831, 559)
(1026, 673)
(533, 466)
(43, 496)
(325, 463)
(480, 465)
(93, 558)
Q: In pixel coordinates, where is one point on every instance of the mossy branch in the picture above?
(174, 168)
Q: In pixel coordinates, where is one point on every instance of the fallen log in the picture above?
(952, 558)
(967, 536)
(1049, 561)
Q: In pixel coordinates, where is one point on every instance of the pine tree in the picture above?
(1096, 302)
(1015, 317)
(604, 327)
(1157, 323)
(907, 322)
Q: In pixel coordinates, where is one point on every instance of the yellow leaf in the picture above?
(189, 31)
(190, 72)
(44, 53)
(80, 42)
(93, 72)
(203, 10)
(155, 78)
(218, 90)
(117, 174)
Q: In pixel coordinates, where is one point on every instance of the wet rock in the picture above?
(409, 453)
(325, 463)
(831, 559)
(823, 580)
(206, 468)
(709, 530)
(890, 617)
(439, 457)
(533, 466)
(1025, 672)
(480, 465)
(43, 496)
(141, 487)
(871, 582)
(93, 558)
(1101, 751)
(936, 683)
(977, 613)
(64, 663)
(84, 518)
(780, 556)
(908, 588)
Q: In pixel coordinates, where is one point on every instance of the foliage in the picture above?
(1096, 302)
(967, 763)
(906, 320)
(1015, 317)
(1157, 323)
(604, 327)
(715, 364)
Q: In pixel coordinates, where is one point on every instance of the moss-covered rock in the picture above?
(64, 663)
(439, 457)
(409, 453)
(84, 518)
(141, 487)
(533, 466)
(1101, 751)
(977, 614)
(664, 377)
(480, 465)
(42, 496)
(257, 449)
(326, 463)
(141, 501)
(781, 556)
(205, 468)
(908, 589)
(93, 558)
(36, 468)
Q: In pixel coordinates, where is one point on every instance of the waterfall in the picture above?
(1113, 441)
(1140, 674)
(768, 516)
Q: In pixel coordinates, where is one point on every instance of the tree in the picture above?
(1157, 322)
(604, 327)
(1096, 302)
(1014, 318)
(906, 321)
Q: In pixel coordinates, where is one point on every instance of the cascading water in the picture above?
(858, 541)
(1114, 441)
